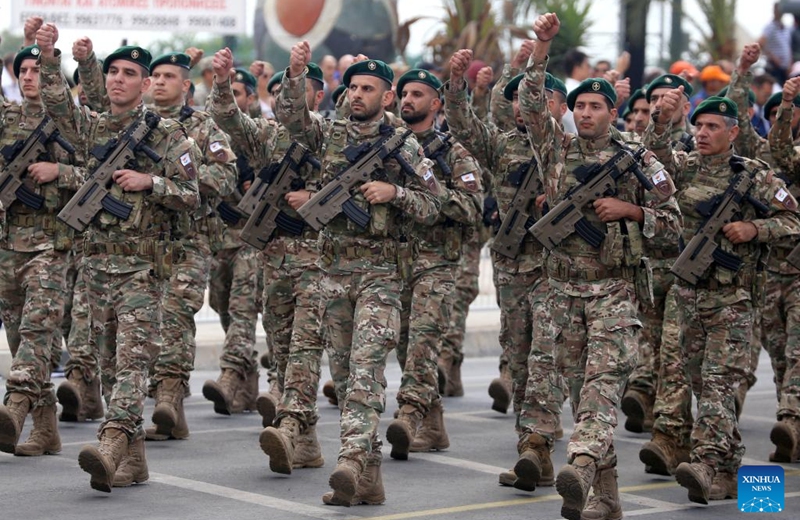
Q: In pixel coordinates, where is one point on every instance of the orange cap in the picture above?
(684, 66)
(714, 72)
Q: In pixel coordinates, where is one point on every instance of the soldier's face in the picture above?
(656, 100)
(29, 79)
(125, 83)
(629, 124)
(169, 88)
(592, 115)
(82, 99)
(517, 113)
(313, 98)
(641, 115)
(240, 95)
(417, 102)
(368, 96)
(712, 135)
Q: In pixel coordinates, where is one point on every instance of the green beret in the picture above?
(512, 87)
(31, 52)
(554, 84)
(669, 81)
(173, 58)
(337, 93)
(775, 100)
(716, 105)
(314, 72)
(132, 53)
(274, 80)
(751, 96)
(243, 75)
(419, 76)
(375, 68)
(76, 78)
(636, 96)
(627, 111)
(592, 86)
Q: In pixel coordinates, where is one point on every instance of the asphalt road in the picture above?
(220, 472)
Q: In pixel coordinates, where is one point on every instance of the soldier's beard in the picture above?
(412, 118)
(367, 115)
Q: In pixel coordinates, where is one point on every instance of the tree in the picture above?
(719, 39)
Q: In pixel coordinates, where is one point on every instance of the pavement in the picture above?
(221, 473)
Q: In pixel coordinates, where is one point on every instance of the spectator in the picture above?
(600, 68)
(10, 83)
(328, 66)
(796, 38)
(263, 71)
(685, 69)
(577, 68)
(713, 79)
(472, 73)
(776, 43)
(763, 86)
(344, 62)
(203, 89)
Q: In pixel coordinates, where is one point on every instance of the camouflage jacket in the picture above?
(748, 143)
(698, 178)
(344, 246)
(502, 110)
(158, 213)
(23, 228)
(94, 84)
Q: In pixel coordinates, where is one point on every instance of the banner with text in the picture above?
(215, 16)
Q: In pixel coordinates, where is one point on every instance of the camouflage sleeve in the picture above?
(175, 186)
(781, 144)
(217, 172)
(73, 122)
(502, 109)
(423, 193)
(657, 138)
(662, 219)
(463, 202)
(255, 138)
(480, 101)
(748, 143)
(343, 107)
(71, 176)
(94, 84)
(533, 107)
(783, 218)
(293, 113)
(474, 134)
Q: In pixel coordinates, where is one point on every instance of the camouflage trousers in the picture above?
(596, 341)
(710, 336)
(781, 338)
(426, 301)
(126, 310)
(76, 325)
(183, 298)
(466, 290)
(32, 306)
(234, 294)
(544, 390)
(361, 323)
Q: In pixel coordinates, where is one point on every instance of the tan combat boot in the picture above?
(169, 417)
(244, 399)
(534, 465)
(370, 486)
(785, 435)
(44, 438)
(101, 462)
(267, 404)
(573, 484)
(12, 419)
(500, 391)
(697, 478)
(307, 451)
(662, 455)
(507, 478)
(133, 468)
(344, 481)
(222, 391)
(638, 407)
(432, 435)
(454, 386)
(401, 431)
(279, 444)
(605, 503)
(70, 394)
(724, 485)
(93, 400)
(329, 391)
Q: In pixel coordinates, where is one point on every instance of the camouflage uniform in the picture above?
(124, 293)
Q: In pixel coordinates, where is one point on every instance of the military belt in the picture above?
(386, 249)
(743, 279)
(145, 248)
(27, 220)
(562, 271)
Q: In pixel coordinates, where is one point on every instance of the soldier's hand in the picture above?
(540, 200)
(43, 172)
(740, 232)
(195, 55)
(484, 79)
(623, 62)
(131, 180)
(378, 192)
(222, 64)
(750, 55)
(546, 27)
(360, 58)
(297, 198)
(46, 38)
(299, 58)
(670, 103)
(790, 89)
(623, 88)
(521, 57)
(32, 25)
(459, 63)
(257, 68)
(612, 76)
(82, 49)
(610, 209)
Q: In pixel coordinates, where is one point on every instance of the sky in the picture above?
(753, 15)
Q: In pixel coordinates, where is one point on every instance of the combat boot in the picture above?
(785, 435)
(697, 478)
(307, 451)
(638, 407)
(507, 478)
(12, 419)
(534, 465)
(279, 444)
(662, 455)
(70, 394)
(605, 503)
(724, 486)
(93, 400)
(329, 391)
(133, 468)
(101, 462)
(401, 431)
(169, 417)
(344, 481)
(454, 386)
(738, 398)
(44, 438)
(573, 484)
(432, 435)
(247, 394)
(500, 391)
(222, 391)
(267, 404)
(370, 486)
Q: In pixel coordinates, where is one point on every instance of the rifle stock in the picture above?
(517, 220)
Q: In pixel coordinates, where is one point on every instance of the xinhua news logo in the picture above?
(761, 489)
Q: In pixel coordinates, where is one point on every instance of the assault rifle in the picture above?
(515, 224)
(436, 148)
(245, 173)
(595, 181)
(366, 160)
(264, 199)
(21, 154)
(719, 210)
(116, 154)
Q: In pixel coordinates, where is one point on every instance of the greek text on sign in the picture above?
(214, 16)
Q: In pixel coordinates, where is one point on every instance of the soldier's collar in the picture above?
(32, 108)
(713, 161)
(170, 112)
(121, 121)
(421, 136)
(594, 145)
(362, 129)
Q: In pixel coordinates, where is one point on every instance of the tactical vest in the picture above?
(446, 235)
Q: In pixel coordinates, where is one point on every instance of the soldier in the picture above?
(593, 324)
(127, 261)
(35, 257)
(715, 314)
(361, 282)
(640, 110)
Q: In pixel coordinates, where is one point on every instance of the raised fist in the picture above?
(790, 89)
(521, 58)
(32, 25)
(750, 55)
(222, 64)
(299, 58)
(82, 49)
(623, 88)
(459, 63)
(46, 38)
(195, 55)
(670, 102)
(484, 78)
(546, 27)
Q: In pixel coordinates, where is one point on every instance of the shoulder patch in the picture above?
(784, 199)
(188, 165)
